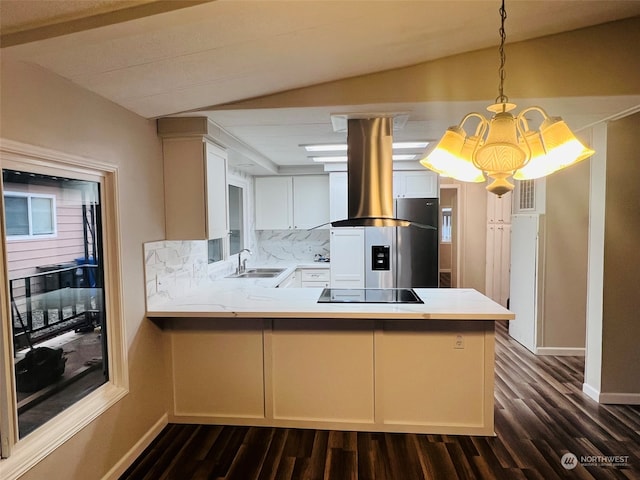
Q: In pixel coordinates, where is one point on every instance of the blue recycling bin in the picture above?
(86, 277)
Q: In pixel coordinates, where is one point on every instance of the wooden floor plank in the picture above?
(541, 413)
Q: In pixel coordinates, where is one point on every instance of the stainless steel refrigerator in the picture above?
(399, 257)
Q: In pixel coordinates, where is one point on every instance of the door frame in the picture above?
(456, 232)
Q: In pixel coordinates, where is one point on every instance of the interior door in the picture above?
(524, 278)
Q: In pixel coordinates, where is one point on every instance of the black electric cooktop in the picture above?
(369, 295)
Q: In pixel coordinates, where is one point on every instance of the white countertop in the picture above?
(257, 298)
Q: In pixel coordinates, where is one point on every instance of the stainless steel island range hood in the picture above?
(370, 174)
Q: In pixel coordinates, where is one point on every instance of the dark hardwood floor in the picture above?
(541, 414)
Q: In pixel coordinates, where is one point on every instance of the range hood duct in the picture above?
(370, 174)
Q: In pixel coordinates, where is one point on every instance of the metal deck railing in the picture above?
(54, 301)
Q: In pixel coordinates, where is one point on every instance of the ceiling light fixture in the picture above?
(344, 158)
(505, 146)
(342, 147)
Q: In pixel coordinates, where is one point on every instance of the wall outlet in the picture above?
(459, 342)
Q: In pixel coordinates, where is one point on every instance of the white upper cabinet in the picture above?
(310, 201)
(195, 184)
(286, 202)
(217, 192)
(274, 198)
(415, 184)
(338, 209)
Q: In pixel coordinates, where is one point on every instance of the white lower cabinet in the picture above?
(315, 277)
(347, 257)
(307, 277)
(292, 281)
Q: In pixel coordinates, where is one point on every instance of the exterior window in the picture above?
(446, 225)
(56, 293)
(29, 215)
(63, 352)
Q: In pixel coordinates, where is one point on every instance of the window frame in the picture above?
(243, 184)
(443, 210)
(29, 197)
(19, 455)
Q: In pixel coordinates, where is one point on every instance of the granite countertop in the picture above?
(257, 298)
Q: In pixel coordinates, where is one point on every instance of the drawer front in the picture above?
(321, 284)
(315, 275)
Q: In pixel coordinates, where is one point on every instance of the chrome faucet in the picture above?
(242, 264)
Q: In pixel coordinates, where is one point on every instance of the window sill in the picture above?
(29, 451)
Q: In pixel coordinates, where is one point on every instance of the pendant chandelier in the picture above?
(505, 146)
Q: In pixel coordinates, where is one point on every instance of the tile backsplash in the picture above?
(174, 267)
(289, 246)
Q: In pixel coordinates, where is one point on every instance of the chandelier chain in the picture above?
(502, 98)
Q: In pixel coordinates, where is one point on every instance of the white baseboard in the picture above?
(561, 351)
(611, 398)
(130, 457)
(591, 392)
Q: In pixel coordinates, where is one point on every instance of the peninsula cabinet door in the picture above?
(217, 368)
(438, 374)
(323, 370)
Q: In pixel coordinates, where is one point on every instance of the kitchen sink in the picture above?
(276, 271)
(258, 273)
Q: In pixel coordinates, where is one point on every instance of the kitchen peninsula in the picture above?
(241, 352)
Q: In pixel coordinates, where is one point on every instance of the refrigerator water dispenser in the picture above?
(380, 257)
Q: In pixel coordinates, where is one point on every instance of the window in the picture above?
(60, 303)
(60, 299)
(445, 236)
(29, 215)
(236, 221)
(215, 249)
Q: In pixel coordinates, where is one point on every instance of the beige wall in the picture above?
(621, 302)
(565, 258)
(41, 109)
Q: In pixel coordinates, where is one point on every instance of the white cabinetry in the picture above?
(315, 277)
(406, 184)
(307, 277)
(293, 280)
(310, 201)
(415, 184)
(274, 198)
(338, 209)
(347, 257)
(498, 254)
(284, 203)
(195, 187)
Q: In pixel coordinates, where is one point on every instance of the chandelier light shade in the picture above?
(504, 146)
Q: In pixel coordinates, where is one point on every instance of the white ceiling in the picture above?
(165, 58)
